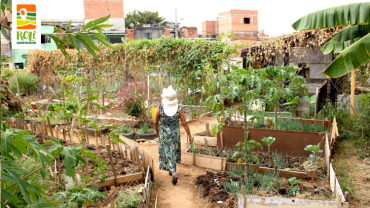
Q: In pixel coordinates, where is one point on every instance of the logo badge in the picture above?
(26, 29)
(26, 16)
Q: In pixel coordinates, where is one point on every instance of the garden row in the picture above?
(287, 164)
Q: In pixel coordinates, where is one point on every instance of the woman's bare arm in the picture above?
(156, 121)
(185, 125)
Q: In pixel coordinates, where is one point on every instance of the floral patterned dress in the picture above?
(169, 145)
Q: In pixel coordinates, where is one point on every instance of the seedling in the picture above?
(294, 188)
(314, 149)
(268, 141)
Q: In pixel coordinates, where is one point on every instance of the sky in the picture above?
(275, 16)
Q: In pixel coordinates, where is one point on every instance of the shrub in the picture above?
(132, 98)
(125, 129)
(132, 199)
(26, 82)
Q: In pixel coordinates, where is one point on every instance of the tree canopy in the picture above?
(139, 18)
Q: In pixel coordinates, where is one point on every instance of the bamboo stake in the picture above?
(111, 162)
(64, 135)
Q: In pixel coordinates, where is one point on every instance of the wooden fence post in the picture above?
(111, 162)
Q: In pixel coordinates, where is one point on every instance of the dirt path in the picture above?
(353, 173)
(184, 193)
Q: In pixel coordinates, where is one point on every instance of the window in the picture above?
(115, 40)
(148, 36)
(19, 65)
(247, 20)
(183, 34)
(45, 39)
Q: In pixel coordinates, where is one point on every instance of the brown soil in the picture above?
(122, 165)
(318, 190)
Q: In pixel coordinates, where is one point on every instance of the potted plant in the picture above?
(146, 132)
(126, 131)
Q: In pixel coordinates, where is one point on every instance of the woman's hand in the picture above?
(191, 139)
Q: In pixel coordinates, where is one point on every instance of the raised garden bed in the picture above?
(289, 142)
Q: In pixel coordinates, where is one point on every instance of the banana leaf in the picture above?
(349, 14)
(351, 58)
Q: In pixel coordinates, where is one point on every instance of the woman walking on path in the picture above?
(168, 114)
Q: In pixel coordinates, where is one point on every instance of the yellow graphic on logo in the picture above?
(26, 16)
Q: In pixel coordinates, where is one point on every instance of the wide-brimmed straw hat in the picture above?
(169, 96)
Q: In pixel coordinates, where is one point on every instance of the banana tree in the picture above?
(353, 42)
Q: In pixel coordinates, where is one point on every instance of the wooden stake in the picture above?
(207, 129)
(87, 135)
(101, 138)
(222, 163)
(194, 154)
(353, 85)
(41, 130)
(243, 190)
(64, 135)
(128, 154)
(51, 129)
(111, 162)
(57, 132)
(96, 137)
(31, 123)
(222, 141)
(302, 125)
(313, 176)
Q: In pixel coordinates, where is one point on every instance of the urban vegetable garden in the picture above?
(77, 124)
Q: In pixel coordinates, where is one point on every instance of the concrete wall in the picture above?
(157, 32)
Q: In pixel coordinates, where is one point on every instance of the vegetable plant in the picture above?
(268, 141)
(314, 149)
(311, 100)
(294, 188)
(145, 129)
(78, 196)
(125, 129)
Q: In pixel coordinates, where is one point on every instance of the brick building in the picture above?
(100, 8)
(188, 32)
(262, 35)
(243, 23)
(209, 29)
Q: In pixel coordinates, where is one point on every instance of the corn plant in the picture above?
(314, 149)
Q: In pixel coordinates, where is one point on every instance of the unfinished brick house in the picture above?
(209, 29)
(243, 23)
(188, 32)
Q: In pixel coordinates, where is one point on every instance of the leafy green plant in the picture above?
(294, 188)
(247, 148)
(314, 149)
(18, 189)
(279, 159)
(26, 81)
(129, 200)
(311, 100)
(234, 187)
(78, 196)
(145, 129)
(268, 141)
(125, 129)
